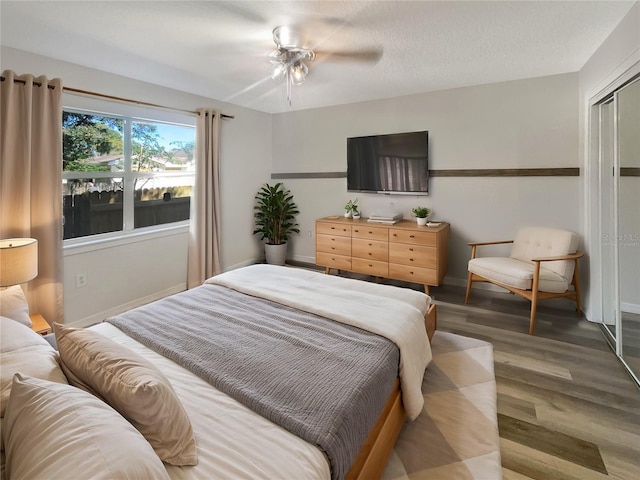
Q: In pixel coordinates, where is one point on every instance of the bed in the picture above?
(233, 441)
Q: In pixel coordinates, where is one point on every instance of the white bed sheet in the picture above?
(233, 441)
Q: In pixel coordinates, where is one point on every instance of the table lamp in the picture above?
(18, 261)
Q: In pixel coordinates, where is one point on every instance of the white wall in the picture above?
(619, 52)
(121, 276)
(522, 124)
(529, 123)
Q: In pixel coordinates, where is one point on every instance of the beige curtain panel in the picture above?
(204, 231)
(31, 180)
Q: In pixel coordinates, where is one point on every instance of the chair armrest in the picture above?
(479, 244)
(570, 256)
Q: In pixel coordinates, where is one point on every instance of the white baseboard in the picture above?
(101, 316)
(630, 307)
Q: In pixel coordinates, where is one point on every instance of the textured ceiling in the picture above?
(219, 49)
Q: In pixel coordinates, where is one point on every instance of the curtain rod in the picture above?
(111, 97)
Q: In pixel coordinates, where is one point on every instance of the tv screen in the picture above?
(395, 163)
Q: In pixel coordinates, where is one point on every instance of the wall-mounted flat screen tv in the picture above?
(397, 163)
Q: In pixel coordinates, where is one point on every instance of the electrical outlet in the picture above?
(81, 280)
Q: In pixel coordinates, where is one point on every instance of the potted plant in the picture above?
(274, 214)
(351, 209)
(421, 214)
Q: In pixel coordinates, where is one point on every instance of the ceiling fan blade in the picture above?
(367, 56)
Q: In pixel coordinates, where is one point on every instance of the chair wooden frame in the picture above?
(532, 295)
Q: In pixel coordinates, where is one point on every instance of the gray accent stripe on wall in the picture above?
(507, 172)
(280, 176)
(472, 172)
(629, 172)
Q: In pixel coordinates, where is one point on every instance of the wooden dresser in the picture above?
(404, 251)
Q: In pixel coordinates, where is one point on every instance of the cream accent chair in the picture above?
(543, 264)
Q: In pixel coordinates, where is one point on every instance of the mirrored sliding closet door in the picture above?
(618, 141)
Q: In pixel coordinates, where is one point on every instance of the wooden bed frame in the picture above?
(374, 455)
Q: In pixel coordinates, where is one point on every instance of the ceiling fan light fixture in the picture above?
(278, 70)
(299, 73)
(287, 61)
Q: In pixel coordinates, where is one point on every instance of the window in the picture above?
(123, 173)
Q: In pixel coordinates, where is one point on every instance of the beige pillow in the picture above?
(58, 431)
(131, 385)
(23, 350)
(13, 305)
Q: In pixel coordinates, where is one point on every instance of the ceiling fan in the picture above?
(289, 59)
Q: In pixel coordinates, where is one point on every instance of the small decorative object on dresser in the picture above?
(421, 214)
(351, 209)
(275, 214)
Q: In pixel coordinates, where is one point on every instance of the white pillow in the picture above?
(23, 350)
(13, 305)
(131, 385)
(59, 431)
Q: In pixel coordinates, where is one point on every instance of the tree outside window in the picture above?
(121, 173)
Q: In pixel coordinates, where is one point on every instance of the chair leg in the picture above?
(532, 319)
(576, 285)
(534, 297)
(469, 282)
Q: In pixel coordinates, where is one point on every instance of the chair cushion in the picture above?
(536, 242)
(517, 274)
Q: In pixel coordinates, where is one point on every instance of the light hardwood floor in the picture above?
(567, 409)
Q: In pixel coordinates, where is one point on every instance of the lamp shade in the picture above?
(18, 260)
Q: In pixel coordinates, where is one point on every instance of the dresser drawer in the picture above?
(333, 229)
(370, 233)
(330, 260)
(408, 254)
(413, 274)
(370, 249)
(370, 267)
(333, 244)
(412, 236)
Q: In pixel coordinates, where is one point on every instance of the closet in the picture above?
(615, 161)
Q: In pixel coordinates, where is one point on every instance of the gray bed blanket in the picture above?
(324, 381)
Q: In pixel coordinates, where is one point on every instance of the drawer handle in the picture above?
(356, 230)
(333, 228)
(411, 249)
(411, 259)
(333, 248)
(371, 265)
(412, 236)
(411, 273)
(370, 244)
(370, 253)
(395, 235)
(370, 233)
